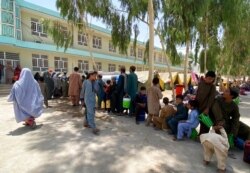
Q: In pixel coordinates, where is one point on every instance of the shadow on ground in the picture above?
(121, 147)
(23, 130)
(61, 144)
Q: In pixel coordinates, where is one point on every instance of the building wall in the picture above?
(31, 44)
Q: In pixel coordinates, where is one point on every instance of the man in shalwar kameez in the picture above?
(153, 101)
(75, 85)
(205, 96)
(121, 90)
(27, 97)
(49, 82)
(132, 88)
(216, 143)
(90, 91)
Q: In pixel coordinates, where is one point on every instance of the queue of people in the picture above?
(179, 119)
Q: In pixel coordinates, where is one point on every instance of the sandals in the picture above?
(86, 125)
(96, 131)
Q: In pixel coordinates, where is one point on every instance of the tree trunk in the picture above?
(186, 63)
(90, 35)
(168, 65)
(205, 53)
(151, 41)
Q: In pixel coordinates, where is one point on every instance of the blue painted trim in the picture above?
(37, 8)
(49, 12)
(71, 51)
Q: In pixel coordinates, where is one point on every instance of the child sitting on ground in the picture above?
(216, 142)
(181, 114)
(140, 104)
(166, 111)
(185, 127)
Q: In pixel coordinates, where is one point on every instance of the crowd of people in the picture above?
(11, 74)
(178, 118)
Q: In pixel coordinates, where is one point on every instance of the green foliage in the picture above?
(61, 35)
(227, 23)
(231, 46)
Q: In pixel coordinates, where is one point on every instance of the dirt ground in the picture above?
(61, 144)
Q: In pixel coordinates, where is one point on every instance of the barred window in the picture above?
(138, 68)
(37, 28)
(140, 53)
(40, 62)
(132, 51)
(83, 65)
(98, 66)
(61, 64)
(160, 57)
(97, 42)
(111, 47)
(82, 39)
(112, 68)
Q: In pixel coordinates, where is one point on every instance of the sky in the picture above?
(144, 32)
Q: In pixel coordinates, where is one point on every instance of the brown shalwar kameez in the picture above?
(154, 95)
(75, 84)
(205, 96)
(166, 111)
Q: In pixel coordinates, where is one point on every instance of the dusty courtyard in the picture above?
(60, 144)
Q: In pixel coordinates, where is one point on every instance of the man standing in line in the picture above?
(90, 91)
(49, 82)
(132, 87)
(154, 95)
(75, 85)
(121, 89)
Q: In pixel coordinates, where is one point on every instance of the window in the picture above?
(97, 42)
(64, 31)
(111, 47)
(61, 64)
(140, 53)
(82, 39)
(18, 24)
(40, 62)
(112, 67)
(10, 22)
(7, 5)
(9, 57)
(132, 51)
(98, 66)
(83, 65)
(139, 69)
(164, 61)
(37, 28)
(7, 17)
(119, 67)
(160, 57)
(8, 30)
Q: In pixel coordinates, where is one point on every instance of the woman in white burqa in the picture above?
(27, 98)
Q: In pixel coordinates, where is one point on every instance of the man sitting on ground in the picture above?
(166, 111)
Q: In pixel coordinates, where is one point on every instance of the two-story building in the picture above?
(25, 41)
